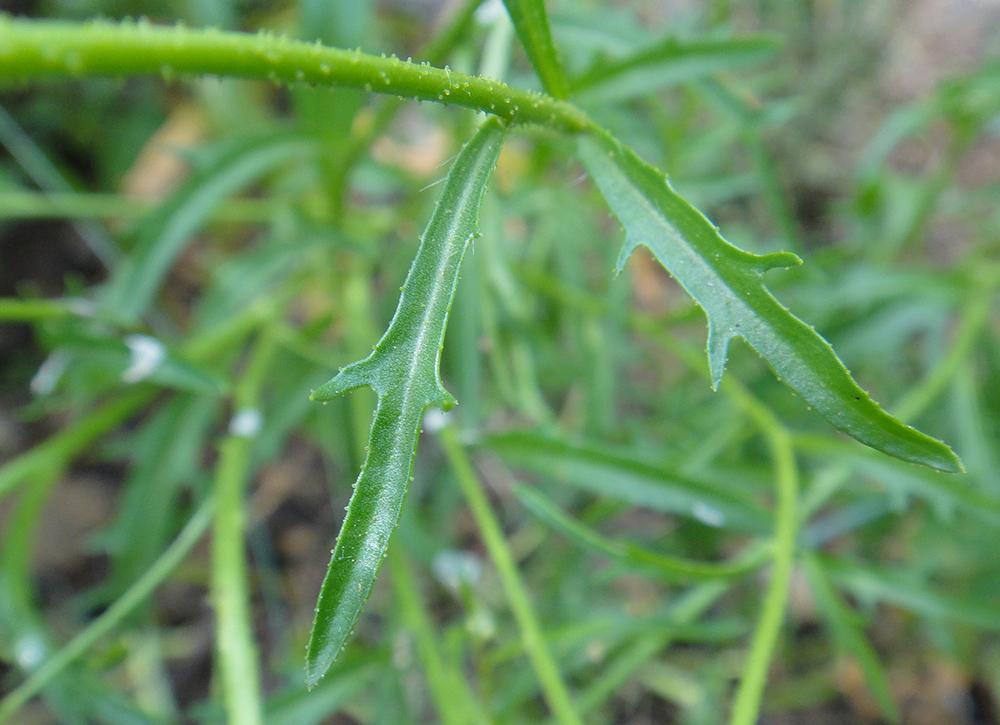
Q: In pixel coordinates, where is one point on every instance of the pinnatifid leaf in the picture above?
(404, 370)
(726, 283)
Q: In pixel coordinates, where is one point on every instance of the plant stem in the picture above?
(975, 316)
(237, 652)
(448, 689)
(553, 688)
(35, 49)
(746, 706)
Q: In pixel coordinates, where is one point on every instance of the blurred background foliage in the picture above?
(215, 214)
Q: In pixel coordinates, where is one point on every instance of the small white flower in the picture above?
(490, 11)
(455, 569)
(246, 423)
(148, 354)
(81, 307)
(29, 652)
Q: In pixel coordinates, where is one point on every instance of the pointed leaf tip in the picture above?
(718, 352)
(777, 260)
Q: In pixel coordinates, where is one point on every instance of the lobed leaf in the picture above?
(726, 283)
(532, 26)
(404, 370)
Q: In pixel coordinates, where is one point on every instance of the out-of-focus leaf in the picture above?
(163, 235)
(615, 476)
(669, 567)
(304, 707)
(879, 584)
(669, 61)
(139, 358)
(726, 282)
(847, 631)
(532, 26)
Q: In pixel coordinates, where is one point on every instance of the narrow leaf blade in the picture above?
(669, 568)
(404, 371)
(726, 282)
(532, 26)
(163, 235)
(607, 473)
(669, 61)
(849, 637)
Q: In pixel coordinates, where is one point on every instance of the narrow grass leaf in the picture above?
(532, 26)
(845, 626)
(137, 593)
(875, 583)
(302, 707)
(726, 282)
(666, 567)
(669, 61)
(616, 476)
(404, 370)
(165, 233)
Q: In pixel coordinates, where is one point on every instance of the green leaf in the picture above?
(669, 568)
(669, 61)
(532, 26)
(403, 370)
(845, 626)
(164, 234)
(899, 588)
(726, 282)
(607, 473)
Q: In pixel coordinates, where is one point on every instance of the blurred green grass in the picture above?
(292, 214)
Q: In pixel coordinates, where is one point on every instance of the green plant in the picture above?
(240, 348)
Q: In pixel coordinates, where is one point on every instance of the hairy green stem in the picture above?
(37, 49)
(237, 651)
(554, 689)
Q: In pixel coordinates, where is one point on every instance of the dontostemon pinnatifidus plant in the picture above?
(403, 368)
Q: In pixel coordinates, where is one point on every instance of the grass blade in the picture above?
(726, 282)
(606, 473)
(165, 233)
(881, 584)
(133, 597)
(532, 26)
(668, 567)
(669, 61)
(404, 372)
(847, 634)
(553, 687)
